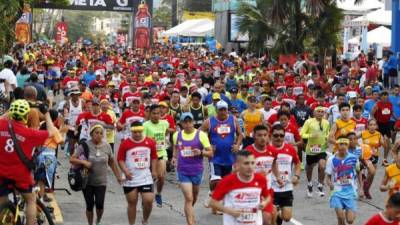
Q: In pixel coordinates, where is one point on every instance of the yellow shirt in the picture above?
(343, 127)
(373, 140)
(251, 119)
(110, 133)
(188, 137)
(393, 173)
(148, 79)
(54, 141)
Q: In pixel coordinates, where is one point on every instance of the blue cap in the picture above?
(186, 115)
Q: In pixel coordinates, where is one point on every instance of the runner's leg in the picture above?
(286, 214)
(350, 216)
(187, 190)
(161, 167)
(340, 216)
(88, 193)
(100, 194)
(30, 200)
(147, 199)
(196, 190)
(321, 170)
(132, 199)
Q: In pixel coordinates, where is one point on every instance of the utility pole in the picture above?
(174, 10)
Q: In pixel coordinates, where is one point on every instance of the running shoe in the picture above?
(309, 191)
(321, 192)
(158, 200)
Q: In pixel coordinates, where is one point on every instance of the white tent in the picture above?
(348, 5)
(380, 35)
(380, 17)
(192, 28)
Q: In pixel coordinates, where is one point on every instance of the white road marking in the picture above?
(295, 222)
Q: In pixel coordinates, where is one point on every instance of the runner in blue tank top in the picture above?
(225, 137)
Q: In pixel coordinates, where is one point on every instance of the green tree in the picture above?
(79, 24)
(10, 12)
(162, 17)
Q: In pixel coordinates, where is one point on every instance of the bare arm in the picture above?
(373, 111)
(49, 125)
(217, 205)
(205, 126)
(384, 184)
(239, 134)
(113, 165)
(332, 133)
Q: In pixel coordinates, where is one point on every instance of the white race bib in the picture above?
(385, 111)
(315, 149)
(224, 129)
(187, 152)
(247, 218)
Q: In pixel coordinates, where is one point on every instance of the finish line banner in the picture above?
(96, 5)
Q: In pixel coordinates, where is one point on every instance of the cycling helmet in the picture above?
(19, 110)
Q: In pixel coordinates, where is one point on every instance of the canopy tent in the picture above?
(348, 5)
(192, 28)
(380, 35)
(380, 17)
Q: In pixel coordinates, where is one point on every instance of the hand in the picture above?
(87, 164)
(120, 180)
(154, 176)
(295, 180)
(264, 202)
(174, 161)
(235, 148)
(196, 152)
(280, 182)
(233, 212)
(129, 176)
(330, 184)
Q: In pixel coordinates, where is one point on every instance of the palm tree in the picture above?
(289, 20)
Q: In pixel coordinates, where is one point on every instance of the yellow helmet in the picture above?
(19, 110)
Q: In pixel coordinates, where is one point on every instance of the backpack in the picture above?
(78, 177)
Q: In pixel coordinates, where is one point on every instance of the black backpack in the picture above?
(78, 177)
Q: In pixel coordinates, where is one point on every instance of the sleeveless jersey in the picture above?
(222, 137)
(198, 115)
(393, 173)
(373, 140)
(344, 127)
(74, 112)
(188, 164)
(177, 110)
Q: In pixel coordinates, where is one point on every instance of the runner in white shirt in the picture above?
(137, 157)
(244, 194)
(286, 157)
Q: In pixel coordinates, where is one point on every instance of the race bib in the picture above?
(385, 111)
(140, 162)
(224, 129)
(247, 218)
(344, 181)
(160, 145)
(187, 152)
(315, 149)
(284, 176)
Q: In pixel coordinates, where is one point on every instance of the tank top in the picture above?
(198, 115)
(188, 164)
(344, 127)
(74, 112)
(222, 137)
(251, 119)
(373, 140)
(177, 111)
(393, 173)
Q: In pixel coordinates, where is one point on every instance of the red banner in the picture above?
(61, 32)
(142, 27)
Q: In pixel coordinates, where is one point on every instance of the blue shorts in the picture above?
(194, 179)
(343, 203)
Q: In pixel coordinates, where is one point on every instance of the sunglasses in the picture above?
(278, 135)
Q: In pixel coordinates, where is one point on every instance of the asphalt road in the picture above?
(307, 211)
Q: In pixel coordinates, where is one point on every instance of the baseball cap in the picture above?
(74, 91)
(234, 90)
(216, 96)
(222, 105)
(352, 94)
(186, 115)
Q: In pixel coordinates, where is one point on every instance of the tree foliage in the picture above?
(292, 23)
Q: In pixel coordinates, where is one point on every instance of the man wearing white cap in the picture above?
(225, 137)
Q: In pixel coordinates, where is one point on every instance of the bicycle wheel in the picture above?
(43, 216)
(8, 214)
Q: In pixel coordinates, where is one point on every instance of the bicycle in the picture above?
(13, 211)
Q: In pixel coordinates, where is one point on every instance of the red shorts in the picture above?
(269, 208)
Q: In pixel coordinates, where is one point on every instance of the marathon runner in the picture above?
(137, 159)
(316, 131)
(158, 130)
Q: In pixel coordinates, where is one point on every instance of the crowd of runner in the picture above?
(254, 123)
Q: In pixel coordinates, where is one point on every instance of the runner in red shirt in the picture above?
(292, 135)
(361, 122)
(265, 163)
(320, 101)
(245, 194)
(137, 158)
(70, 81)
(131, 114)
(13, 172)
(382, 112)
(391, 215)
